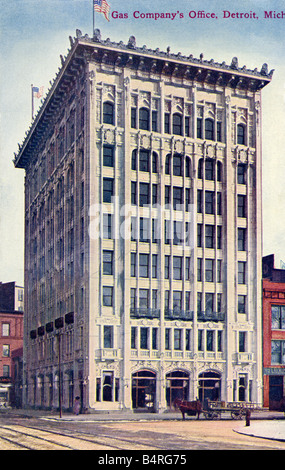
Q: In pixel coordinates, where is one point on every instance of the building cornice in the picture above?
(139, 59)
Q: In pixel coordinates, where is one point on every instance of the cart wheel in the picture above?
(209, 415)
(236, 415)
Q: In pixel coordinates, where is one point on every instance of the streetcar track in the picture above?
(91, 440)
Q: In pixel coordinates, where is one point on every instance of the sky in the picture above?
(35, 32)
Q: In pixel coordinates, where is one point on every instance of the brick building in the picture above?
(11, 340)
(143, 230)
(273, 334)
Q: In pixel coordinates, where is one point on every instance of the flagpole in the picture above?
(93, 9)
(32, 101)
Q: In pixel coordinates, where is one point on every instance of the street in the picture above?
(34, 433)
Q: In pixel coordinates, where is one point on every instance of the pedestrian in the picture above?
(76, 407)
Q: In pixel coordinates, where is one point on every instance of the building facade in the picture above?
(143, 230)
(273, 335)
(11, 340)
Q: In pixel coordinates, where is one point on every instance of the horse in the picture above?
(191, 408)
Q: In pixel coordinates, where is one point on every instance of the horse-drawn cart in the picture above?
(214, 409)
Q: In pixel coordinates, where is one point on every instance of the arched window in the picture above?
(177, 127)
(241, 134)
(144, 119)
(209, 129)
(108, 113)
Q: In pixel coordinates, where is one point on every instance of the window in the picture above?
(154, 338)
(144, 119)
(177, 165)
(209, 129)
(167, 123)
(108, 189)
(107, 226)
(144, 338)
(219, 237)
(220, 340)
(177, 127)
(177, 300)
(133, 118)
(177, 267)
(241, 272)
(177, 333)
(219, 203)
(242, 341)
(144, 298)
(133, 264)
(134, 160)
(154, 266)
(199, 270)
(199, 235)
(199, 301)
(219, 131)
(154, 162)
(200, 340)
(144, 230)
(108, 113)
(108, 156)
(167, 164)
(144, 265)
(209, 202)
(209, 270)
(210, 170)
(199, 128)
(5, 329)
(144, 160)
(241, 134)
(154, 126)
(6, 350)
(241, 173)
(167, 232)
(210, 340)
(241, 303)
(241, 239)
(241, 205)
(177, 198)
(167, 195)
(219, 303)
(278, 317)
(107, 296)
(133, 337)
(6, 371)
(277, 352)
(187, 300)
(209, 300)
(155, 232)
(154, 298)
(187, 268)
(133, 299)
(178, 235)
(209, 236)
(108, 336)
(134, 192)
(167, 338)
(144, 194)
(187, 126)
(154, 194)
(219, 270)
(108, 262)
(166, 267)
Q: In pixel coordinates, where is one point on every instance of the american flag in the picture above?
(102, 7)
(38, 92)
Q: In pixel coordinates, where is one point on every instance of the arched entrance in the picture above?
(177, 386)
(144, 390)
(209, 386)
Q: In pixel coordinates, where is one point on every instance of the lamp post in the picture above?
(59, 377)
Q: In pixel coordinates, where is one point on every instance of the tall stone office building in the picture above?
(143, 230)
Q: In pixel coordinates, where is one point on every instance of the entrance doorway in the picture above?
(276, 392)
(177, 386)
(144, 391)
(209, 386)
